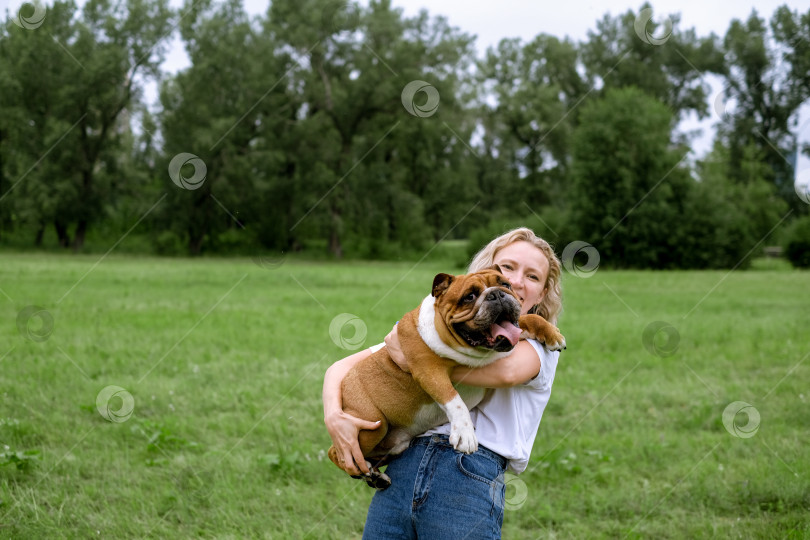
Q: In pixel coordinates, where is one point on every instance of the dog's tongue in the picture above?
(507, 330)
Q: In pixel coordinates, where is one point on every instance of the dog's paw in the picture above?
(463, 439)
(380, 481)
(375, 478)
(555, 342)
(558, 346)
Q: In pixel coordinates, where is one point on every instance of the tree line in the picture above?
(327, 125)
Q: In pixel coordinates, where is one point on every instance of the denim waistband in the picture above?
(444, 440)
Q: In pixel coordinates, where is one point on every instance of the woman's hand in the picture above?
(395, 350)
(344, 429)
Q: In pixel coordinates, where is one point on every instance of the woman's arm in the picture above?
(517, 368)
(344, 428)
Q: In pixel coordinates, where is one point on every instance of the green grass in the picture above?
(224, 360)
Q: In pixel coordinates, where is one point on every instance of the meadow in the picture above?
(163, 398)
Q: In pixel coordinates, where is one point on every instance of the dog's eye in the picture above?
(469, 298)
(506, 285)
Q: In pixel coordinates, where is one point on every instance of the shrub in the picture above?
(168, 243)
(797, 243)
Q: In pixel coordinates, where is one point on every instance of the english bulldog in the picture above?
(472, 320)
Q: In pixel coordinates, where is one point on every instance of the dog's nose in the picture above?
(495, 295)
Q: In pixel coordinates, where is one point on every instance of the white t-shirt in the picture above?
(507, 420)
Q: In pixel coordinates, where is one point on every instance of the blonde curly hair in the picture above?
(551, 305)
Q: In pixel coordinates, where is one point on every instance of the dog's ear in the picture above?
(496, 268)
(441, 282)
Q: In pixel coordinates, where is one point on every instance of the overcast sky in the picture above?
(491, 21)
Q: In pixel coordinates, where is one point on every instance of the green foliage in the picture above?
(22, 460)
(797, 243)
(766, 81)
(672, 72)
(159, 437)
(168, 243)
(72, 79)
(297, 116)
(312, 142)
(724, 221)
(15, 432)
(535, 85)
(538, 221)
(635, 201)
(628, 189)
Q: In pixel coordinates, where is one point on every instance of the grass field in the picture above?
(220, 364)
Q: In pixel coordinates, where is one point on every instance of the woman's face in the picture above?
(526, 268)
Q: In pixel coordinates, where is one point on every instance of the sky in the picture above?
(491, 21)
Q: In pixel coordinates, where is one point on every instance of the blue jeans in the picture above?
(438, 493)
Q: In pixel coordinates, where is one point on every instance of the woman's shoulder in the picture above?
(548, 366)
(539, 348)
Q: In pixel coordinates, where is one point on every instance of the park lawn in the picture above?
(224, 361)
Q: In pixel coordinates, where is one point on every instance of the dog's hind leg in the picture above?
(369, 444)
(397, 440)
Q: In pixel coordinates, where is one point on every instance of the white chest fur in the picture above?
(467, 356)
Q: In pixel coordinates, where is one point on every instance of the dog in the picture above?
(472, 320)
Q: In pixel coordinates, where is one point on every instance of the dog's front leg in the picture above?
(462, 432)
(434, 378)
(536, 327)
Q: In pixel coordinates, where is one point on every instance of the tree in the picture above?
(628, 187)
(672, 71)
(767, 80)
(235, 117)
(374, 172)
(76, 77)
(725, 220)
(797, 243)
(537, 89)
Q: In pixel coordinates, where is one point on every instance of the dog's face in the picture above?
(479, 310)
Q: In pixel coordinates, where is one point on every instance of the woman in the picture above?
(437, 492)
